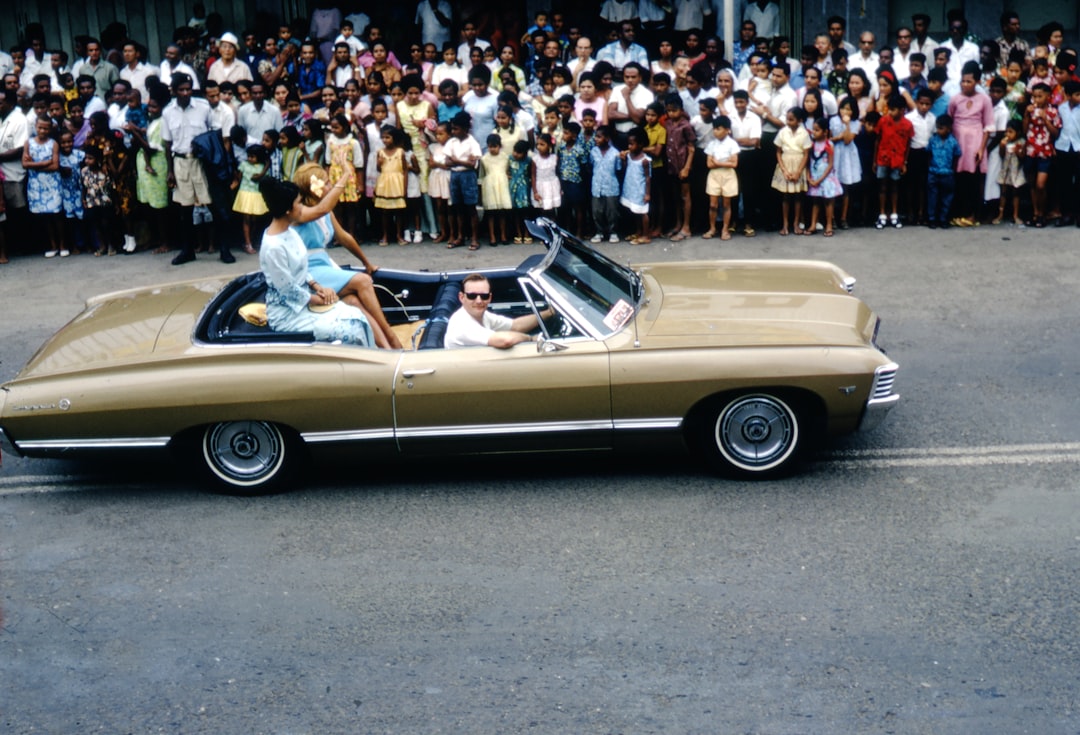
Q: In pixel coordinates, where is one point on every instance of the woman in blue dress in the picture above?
(296, 302)
(355, 289)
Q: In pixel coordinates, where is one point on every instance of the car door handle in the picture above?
(414, 373)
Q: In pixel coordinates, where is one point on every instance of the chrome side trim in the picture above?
(132, 442)
(649, 424)
(473, 430)
(326, 437)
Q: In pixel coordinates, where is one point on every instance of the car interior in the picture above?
(418, 300)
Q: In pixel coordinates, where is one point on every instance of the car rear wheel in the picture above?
(752, 435)
(248, 457)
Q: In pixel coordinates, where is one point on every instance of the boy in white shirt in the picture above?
(722, 153)
(919, 156)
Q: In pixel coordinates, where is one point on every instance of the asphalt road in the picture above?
(919, 579)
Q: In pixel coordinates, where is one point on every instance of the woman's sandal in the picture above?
(828, 233)
(709, 235)
(679, 236)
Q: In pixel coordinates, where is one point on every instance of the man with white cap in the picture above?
(229, 68)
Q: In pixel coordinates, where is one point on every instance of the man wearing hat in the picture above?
(229, 68)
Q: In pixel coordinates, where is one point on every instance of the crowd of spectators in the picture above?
(636, 124)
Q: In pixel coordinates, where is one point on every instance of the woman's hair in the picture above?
(546, 137)
(258, 153)
(412, 80)
(292, 136)
(972, 68)
(816, 93)
(343, 121)
(506, 109)
(303, 178)
(278, 195)
(865, 80)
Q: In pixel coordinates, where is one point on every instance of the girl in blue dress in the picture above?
(637, 185)
(41, 159)
(822, 181)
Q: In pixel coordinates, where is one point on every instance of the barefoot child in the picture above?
(1011, 175)
(792, 154)
(823, 183)
(249, 201)
(637, 185)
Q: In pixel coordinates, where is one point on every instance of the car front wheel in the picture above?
(752, 435)
(248, 457)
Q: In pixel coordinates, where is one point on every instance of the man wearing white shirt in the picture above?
(222, 116)
(902, 53)
(766, 17)
(621, 52)
(134, 71)
(616, 11)
(961, 50)
(746, 130)
(469, 39)
(626, 110)
(921, 41)
(13, 135)
(774, 114)
(7, 64)
(172, 64)
(690, 14)
(866, 59)
(583, 60)
(433, 17)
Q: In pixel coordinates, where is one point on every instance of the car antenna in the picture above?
(637, 342)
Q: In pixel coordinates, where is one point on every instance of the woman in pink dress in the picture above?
(973, 122)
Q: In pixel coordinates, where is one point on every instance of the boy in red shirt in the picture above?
(894, 134)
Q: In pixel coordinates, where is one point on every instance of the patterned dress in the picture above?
(284, 263)
(71, 185)
(830, 187)
(343, 155)
(43, 187)
(520, 186)
(112, 149)
(153, 189)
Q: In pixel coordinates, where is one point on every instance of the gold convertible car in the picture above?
(742, 362)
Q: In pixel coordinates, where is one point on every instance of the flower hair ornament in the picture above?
(318, 185)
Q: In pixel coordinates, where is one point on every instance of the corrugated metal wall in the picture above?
(149, 21)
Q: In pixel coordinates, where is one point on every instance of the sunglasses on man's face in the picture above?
(472, 296)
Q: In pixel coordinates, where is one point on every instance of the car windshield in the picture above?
(602, 291)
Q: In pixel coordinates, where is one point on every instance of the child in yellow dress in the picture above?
(249, 202)
(390, 185)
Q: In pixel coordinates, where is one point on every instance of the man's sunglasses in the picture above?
(478, 295)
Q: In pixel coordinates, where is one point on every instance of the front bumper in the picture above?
(882, 399)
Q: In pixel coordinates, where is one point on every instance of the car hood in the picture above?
(753, 303)
(125, 326)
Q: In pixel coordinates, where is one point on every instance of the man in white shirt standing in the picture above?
(134, 71)
(172, 63)
(474, 326)
(433, 17)
(766, 17)
(13, 136)
(867, 58)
